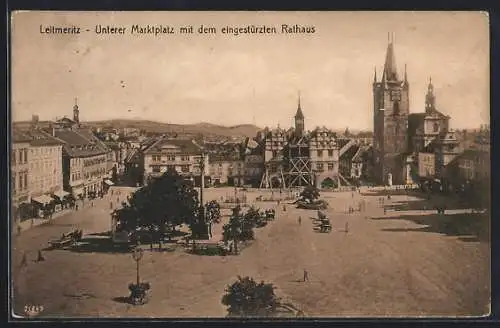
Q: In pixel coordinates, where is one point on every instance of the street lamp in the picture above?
(137, 256)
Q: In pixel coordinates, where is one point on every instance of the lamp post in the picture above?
(137, 256)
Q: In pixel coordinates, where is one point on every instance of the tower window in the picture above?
(396, 108)
(436, 127)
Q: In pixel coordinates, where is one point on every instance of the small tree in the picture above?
(212, 214)
(309, 194)
(246, 298)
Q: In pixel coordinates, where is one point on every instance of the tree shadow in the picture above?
(469, 227)
(101, 234)
(122, 299)
(99, 245)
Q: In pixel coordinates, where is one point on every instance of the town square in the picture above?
(339, 172)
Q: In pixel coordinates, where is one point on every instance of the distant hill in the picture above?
(208, 129)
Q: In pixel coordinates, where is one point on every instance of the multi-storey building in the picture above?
(225, 163)
(391, 109)
(295, 157)
(45, 171)
(20, 197)
(183, 156)
(85, 158)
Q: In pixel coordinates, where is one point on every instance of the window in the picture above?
(320, 167)
(330, 152)
(436, 127)
(156, 158)
(14, 187)
(185, 168)
(171, 158)
(14, 156)
(156, 169)
(171, 167)
(275, 153)
(320, 153)
(330, 166)
(184, 158)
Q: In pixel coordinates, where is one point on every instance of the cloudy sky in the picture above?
(230, 80)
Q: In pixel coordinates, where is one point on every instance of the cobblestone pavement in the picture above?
(383, 265)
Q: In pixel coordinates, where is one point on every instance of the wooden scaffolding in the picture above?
(298, 161)
(273, 171)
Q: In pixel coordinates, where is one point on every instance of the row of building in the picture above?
(55, 163)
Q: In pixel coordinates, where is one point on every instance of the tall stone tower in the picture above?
(299, 121)
(390, 121)
(76, 113)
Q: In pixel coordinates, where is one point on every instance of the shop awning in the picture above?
(109, 182)
(61, 194)
(43, 199)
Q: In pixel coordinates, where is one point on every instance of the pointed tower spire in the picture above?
(299, 120)
(406, 77)
(390, 69)
(299, 113)
(375, 74)
(430, 98)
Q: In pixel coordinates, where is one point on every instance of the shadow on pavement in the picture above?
(470, 227)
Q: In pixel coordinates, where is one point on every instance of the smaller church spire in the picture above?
(375, 74)
(430, 98)
(76, 112)
(406, 76)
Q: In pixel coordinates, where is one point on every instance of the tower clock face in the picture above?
(396, 95)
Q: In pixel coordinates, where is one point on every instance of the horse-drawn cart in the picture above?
(67, 239)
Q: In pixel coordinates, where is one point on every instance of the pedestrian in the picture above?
(385, 211)
(118, 199)
(40, 256)
(32, 222)
(300, 220)
(92, 204)
(346, 230)
(284, 208)
(76, 207)
(306, 276)
(19, 229)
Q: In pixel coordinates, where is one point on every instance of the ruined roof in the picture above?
(351, 152)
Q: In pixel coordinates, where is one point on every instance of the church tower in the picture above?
(299, 121)
(430, 98)
(390, 124)
(76, 113)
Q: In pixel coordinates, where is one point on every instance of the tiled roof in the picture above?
(41, 138)
(183, 146)
(80, 143)
(19, 136)
(358, 157)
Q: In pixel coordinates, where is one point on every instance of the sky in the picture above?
(254, 78)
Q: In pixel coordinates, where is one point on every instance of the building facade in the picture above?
(183, 156)
(45, 172)
(20, 195)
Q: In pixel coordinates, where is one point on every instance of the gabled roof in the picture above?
(178, 145)
(341, 142)
(358, 157)
(19, 136)
(80, 143)
(41, 138)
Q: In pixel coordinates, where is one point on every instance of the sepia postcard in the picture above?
(249, 165)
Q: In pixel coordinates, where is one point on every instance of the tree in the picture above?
(246, 298)
(212, 214)
(169, 199)
(309, 194)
